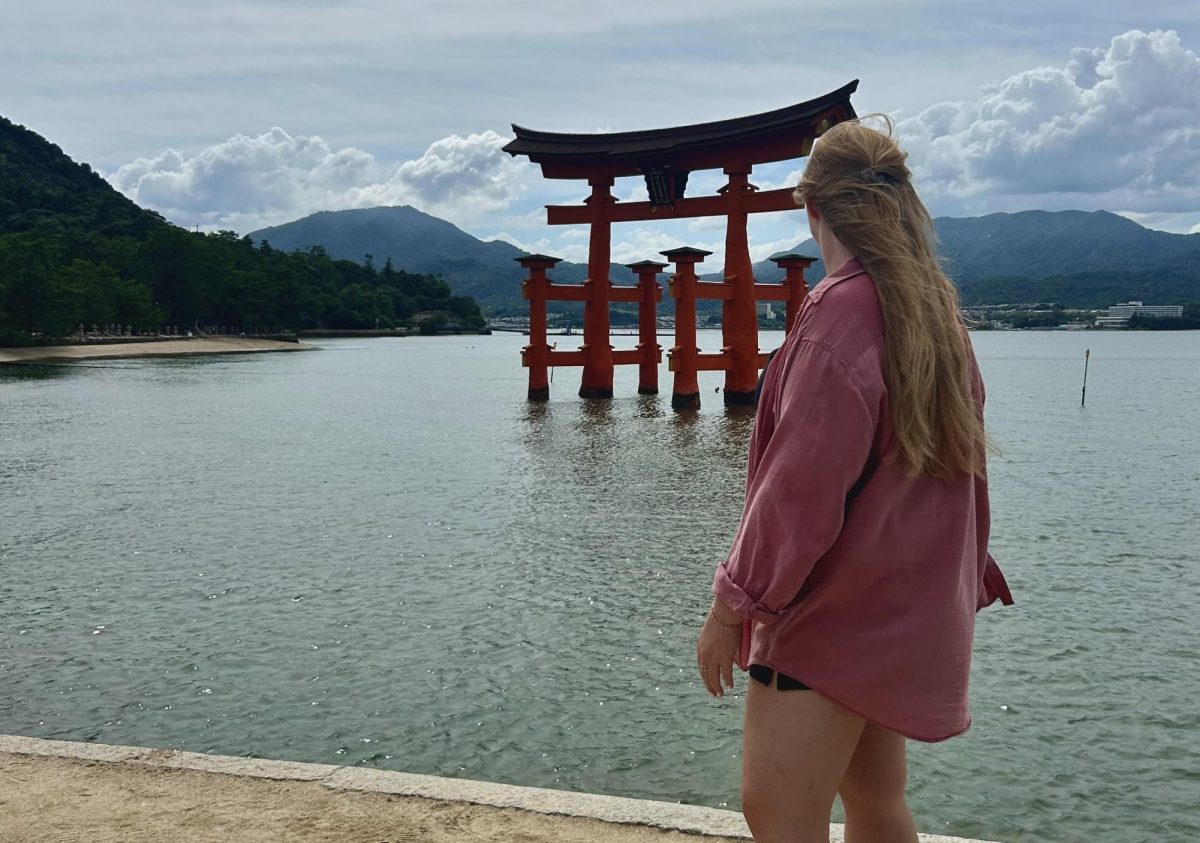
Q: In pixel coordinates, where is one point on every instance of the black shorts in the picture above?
(765, 674)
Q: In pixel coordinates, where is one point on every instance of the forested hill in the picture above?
(41, 188)
(1077, 258)
(419, 242)
(75, 251)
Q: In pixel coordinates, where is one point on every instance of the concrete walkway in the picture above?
(66, 791)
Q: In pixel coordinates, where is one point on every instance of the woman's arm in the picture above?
(795, 504)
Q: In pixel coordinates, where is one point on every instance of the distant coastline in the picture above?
(154, 348)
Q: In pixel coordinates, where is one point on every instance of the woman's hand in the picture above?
(718, 648)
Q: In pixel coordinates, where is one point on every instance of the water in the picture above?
(379, 554)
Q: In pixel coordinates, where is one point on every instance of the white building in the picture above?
(1136, 308)
(1119, 314)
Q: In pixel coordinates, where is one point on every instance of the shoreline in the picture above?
(156, 348)
(101, 792)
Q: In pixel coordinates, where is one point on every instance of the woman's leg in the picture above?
(872, 790)
(796, 748)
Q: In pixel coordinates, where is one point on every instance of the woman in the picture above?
(861, 558)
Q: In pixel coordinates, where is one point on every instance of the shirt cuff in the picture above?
(995, 587)
(736, 598)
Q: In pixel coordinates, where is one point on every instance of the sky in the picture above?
(240, 115)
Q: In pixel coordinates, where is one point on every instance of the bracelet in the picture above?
(730, 626)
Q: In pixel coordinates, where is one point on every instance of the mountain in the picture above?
(74, 251)
(1078, 258)
(418, 242)
(1040, 244)
(40, 185)
(1082, 259)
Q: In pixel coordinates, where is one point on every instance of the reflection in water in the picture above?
(35, 371)
(736, 426)
(535, 411)
(595, 413)
(652, 406)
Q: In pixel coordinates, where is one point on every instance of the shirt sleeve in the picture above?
(993, 586)
(796, 501)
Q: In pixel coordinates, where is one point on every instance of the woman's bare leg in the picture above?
(872, 790)
(796, 749)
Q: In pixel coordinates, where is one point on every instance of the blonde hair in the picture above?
(858, 181)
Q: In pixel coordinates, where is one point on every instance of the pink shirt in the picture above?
(858, 580)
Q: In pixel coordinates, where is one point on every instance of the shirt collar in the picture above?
(849, 269)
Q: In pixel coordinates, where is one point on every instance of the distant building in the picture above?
(1136, 308)
(1119, 314)
(765, 310)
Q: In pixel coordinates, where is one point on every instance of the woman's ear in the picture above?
(814, 222)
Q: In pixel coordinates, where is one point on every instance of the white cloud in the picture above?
(572, 253)
(1184, 223)
(762, 251)
(459, 178)
(248, 182)
(638, 244)
(637, 193)
(1115, 127)
(707, 224)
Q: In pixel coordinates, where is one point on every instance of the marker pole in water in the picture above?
(1086, 356)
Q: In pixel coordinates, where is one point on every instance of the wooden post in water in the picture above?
(1083, 398)
(597, 379)
(793, 265)
(650, 352)
(739, 317)
(683, 358)
(536, 355)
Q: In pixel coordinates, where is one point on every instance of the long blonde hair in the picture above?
(858, 181)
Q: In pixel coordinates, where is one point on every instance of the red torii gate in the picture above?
(665, 158)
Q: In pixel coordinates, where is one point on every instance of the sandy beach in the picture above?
(59, 799)
(166, 348)
(101, 793)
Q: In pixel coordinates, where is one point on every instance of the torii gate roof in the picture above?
(757, 139)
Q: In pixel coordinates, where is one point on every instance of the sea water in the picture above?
(379, 554)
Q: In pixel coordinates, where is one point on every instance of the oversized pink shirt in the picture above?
(857, 579)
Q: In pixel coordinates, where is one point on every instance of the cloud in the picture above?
(247, 182)
(1115, 127)
(463, 178)
(638, 244)
(571, 252)
(762, 251)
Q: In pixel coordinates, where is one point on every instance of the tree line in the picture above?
(74, 251)
(52, 281)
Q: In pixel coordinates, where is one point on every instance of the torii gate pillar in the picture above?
(597, 381)
(739, 319)
(797, 290)
(536, 355)
(684, 357)
(649, 295)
